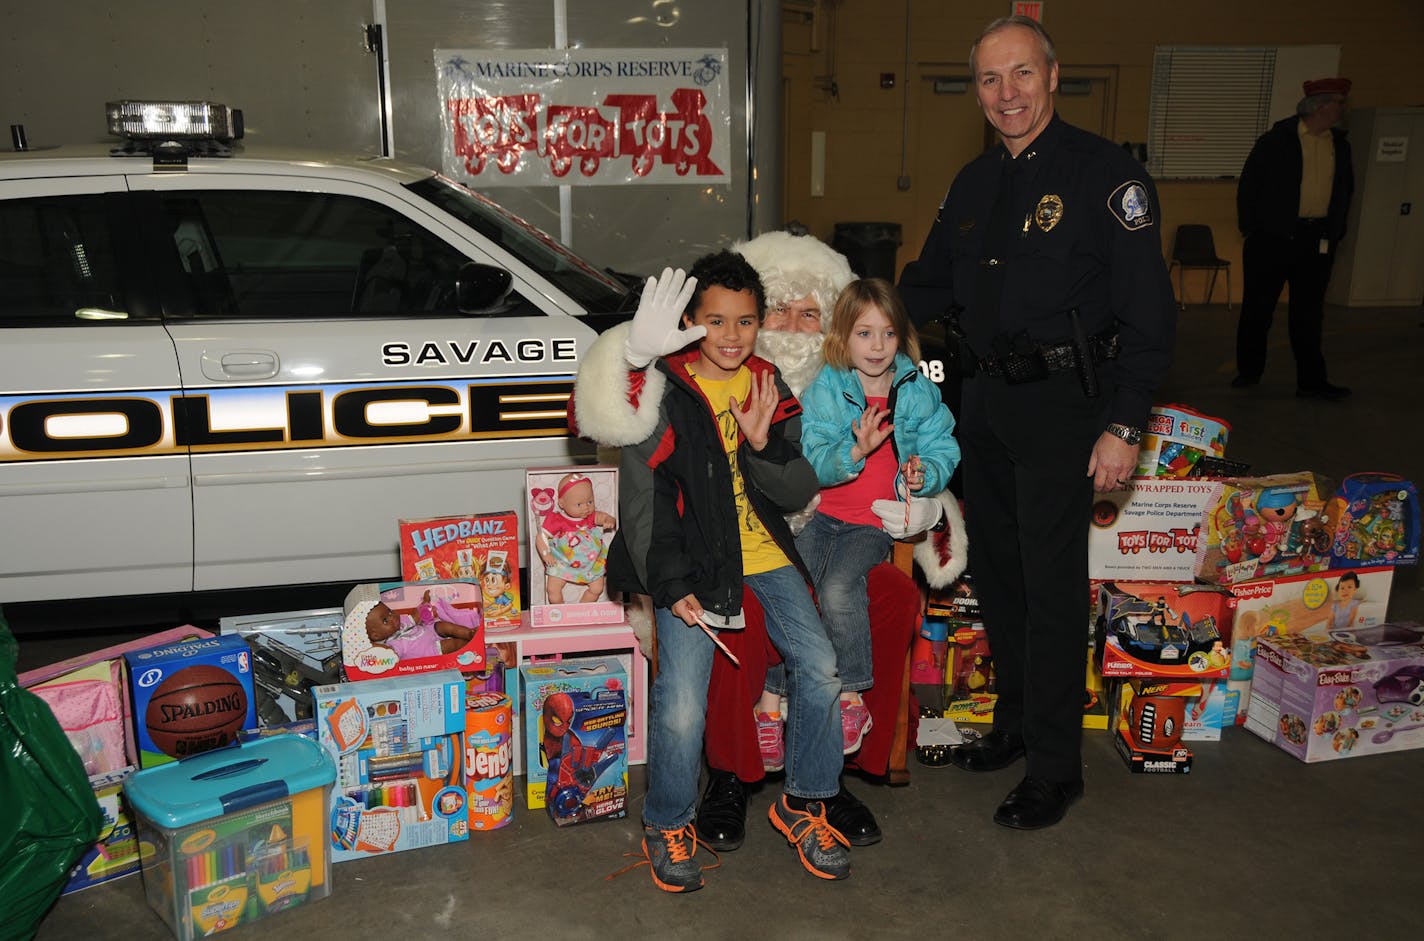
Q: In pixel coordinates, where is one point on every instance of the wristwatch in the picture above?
(1132, 436)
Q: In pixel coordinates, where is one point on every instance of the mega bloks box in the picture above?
(403, 628)
(575, 738)
(1177, 438)
(233, 835)
(292, 651)
(1149, 532)
(398, 745)
(1376, 521)
(1265, 527)
(190, 697)
(1163, 630)
(1323, 701)
(482, 547)
(571, 526)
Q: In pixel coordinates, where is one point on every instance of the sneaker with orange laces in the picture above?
(824, 851)
(855, 722)
(771, 739)
(672, 857)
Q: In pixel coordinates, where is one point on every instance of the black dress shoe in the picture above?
(990, 753)
(1326, 391)
(1035, 804)
(722, 815)
(855, 821)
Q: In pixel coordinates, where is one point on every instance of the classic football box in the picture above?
(398, 744)
(480, 547)
(1265, 527)
(1323, 701)
(1148, 532)
(1163, 630)
(190, 697)
(551, 693)
(1148, 738)
(423, 626)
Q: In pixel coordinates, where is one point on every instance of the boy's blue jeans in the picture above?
(839, 556)
(679, 701)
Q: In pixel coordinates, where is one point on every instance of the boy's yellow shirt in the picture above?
(760, 553)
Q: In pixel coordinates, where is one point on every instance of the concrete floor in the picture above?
(1252, 844)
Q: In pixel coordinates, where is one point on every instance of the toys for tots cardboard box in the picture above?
(481, 547)
(1149, 531)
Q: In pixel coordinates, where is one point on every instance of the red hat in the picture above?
(1326, 86)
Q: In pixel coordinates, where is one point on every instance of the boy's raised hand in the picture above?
(656, 329)
(754, 419)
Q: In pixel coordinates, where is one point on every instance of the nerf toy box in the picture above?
(1163, 630)
(403, 628)
(233, 835)
(1148, 719)
(190, 697)
(1176, 439)
(481, 548)
(1149, 532)
(1265, 527)
(571, 526)
(292, 651)
(1376, 521)
(575, 738)
(1323, 701)
(398, 745)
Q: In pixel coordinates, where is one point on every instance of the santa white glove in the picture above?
(656, 329)
(909, 517)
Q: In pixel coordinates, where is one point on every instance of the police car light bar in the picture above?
(173, 120)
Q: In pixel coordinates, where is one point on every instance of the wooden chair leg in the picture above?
(897, 771)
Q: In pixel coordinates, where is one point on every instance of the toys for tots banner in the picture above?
(541, 117)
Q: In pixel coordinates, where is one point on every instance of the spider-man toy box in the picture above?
(576, 738)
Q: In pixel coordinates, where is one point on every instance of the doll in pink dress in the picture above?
(570, 541)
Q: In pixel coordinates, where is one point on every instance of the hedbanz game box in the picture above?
(480, 547)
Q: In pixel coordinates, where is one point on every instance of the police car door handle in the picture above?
(240, 364)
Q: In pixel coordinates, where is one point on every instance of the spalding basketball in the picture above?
(196, 709)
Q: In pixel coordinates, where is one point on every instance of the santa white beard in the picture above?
(796, 355)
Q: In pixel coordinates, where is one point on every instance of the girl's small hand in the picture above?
(755, 419)
(914, 472)
(870, 432)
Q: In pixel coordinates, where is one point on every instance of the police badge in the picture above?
(1048, 211)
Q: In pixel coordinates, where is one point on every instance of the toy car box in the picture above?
(482, 548)
(1148, 719)
(398, 745)
(233, 835)
(1323, 701)
(1265, 527)
(1176, 439)
(292, 651)
(1163, 630)
(575, 737)
(190, 697)
(1149, 532)
(571, 526)
(1376, 521)
(404, 628)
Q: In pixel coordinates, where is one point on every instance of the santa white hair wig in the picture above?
(797, 266)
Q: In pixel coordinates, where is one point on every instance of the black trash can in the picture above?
(869, 247)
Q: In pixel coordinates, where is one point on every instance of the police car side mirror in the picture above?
(481, 289)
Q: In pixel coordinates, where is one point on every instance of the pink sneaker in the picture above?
(855, 722)
(772, 741)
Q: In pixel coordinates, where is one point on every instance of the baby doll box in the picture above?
(1177, 438)
(431, 617)
(1265, 527)
(1376, 521)
(477, 547)
(233, 835)
(572, 514)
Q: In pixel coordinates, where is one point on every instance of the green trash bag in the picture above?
(51, 816)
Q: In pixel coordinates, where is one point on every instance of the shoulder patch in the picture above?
(1130, 206)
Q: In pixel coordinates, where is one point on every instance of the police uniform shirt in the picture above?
(1075, 225)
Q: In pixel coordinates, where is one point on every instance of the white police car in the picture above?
(235, 371)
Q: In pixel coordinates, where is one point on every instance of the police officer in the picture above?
(1046, 248)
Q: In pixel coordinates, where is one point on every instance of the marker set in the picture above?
(404, 796)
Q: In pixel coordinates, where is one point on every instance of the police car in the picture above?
(238, 370)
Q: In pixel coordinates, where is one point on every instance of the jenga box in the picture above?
(1149, 532)
(482, 547)
(1265, 527)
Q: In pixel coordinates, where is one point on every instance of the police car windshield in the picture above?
(594, 290)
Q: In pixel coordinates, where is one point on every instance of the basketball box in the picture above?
(575, 738)
(398, 744)
(233, 835)
(481, 547)
(190, 697)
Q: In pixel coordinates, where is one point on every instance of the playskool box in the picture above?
(1265, 527)
(1176, 439)
(1148, 532)
(1323, 701)
(575, 738)
(398, 745)
(1163, 630)
(1376, 521)
(234, 835)
(404, 628)
(482, 548)
(571, 526)
(190, 697)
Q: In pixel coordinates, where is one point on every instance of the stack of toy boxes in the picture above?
(575, 738)
(1322, 701)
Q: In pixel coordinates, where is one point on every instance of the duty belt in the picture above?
(1037, 363)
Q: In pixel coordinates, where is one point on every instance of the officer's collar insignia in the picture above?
(966, 225)
(1130, 206)
(1047, 213)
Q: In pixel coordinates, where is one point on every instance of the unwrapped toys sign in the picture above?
(543, 117)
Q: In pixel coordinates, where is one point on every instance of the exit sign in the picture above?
(1033, 11)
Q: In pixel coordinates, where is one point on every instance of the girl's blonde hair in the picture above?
(857, 297)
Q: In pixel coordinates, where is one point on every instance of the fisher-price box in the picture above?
(233, 835)
(1168, 630)
(480, 547)
(404, 628)
(1265, 527)
(398, 745)
(1176, 439)
(576, 738)
(190, 697)
(1149, 532)
(1323, 701)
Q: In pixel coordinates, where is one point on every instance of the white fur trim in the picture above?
(793, 266)
(943, 556)
(601, 407)
(640, 619)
